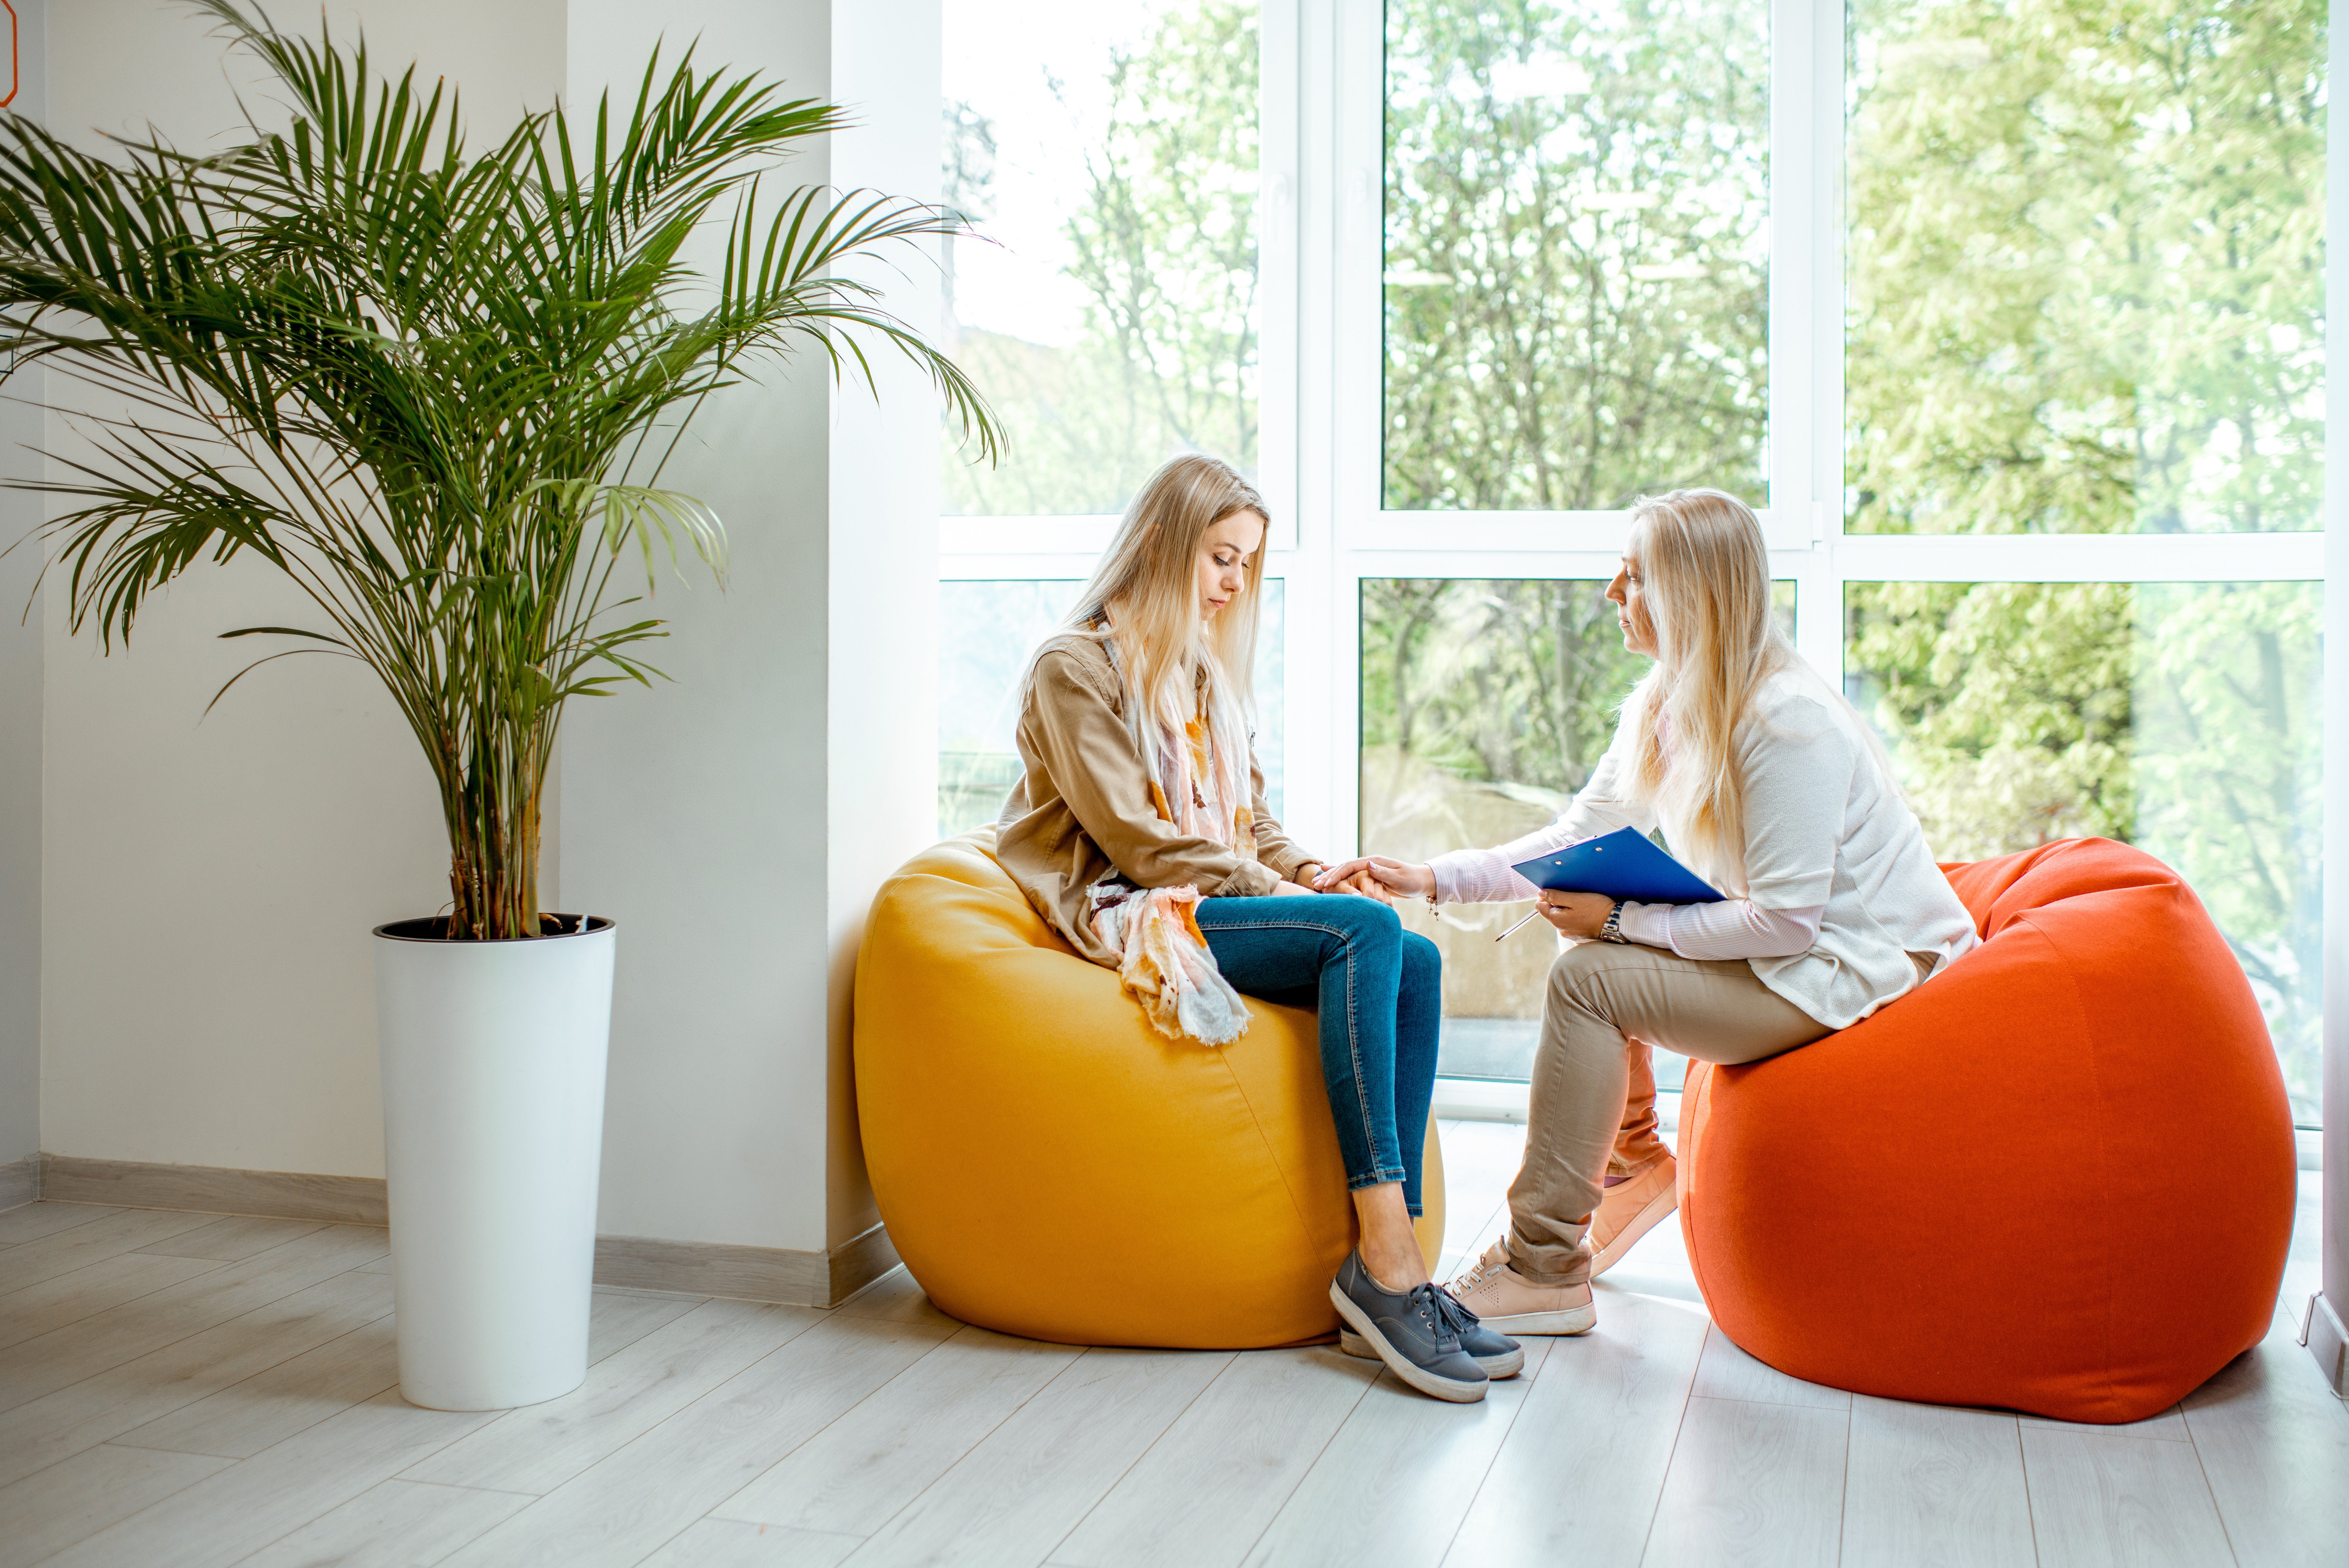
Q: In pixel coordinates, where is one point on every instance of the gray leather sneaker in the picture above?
(1413, 1333)
(1497, 1354)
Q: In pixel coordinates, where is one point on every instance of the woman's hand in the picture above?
(1379, 878)
(1576, 915)
(1290, 891)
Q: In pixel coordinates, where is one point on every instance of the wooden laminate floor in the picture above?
(191, 1391)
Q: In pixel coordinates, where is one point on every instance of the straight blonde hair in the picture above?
(1704, 571)
(1162, 641)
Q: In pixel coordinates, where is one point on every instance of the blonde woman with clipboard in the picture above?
(1768, 787)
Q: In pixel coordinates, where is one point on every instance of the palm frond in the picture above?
(434, 387)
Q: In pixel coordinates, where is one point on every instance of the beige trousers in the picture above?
(1607, 1003)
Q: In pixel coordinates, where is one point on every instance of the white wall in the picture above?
(210, 886)
(20, 716)
(693, 814)
(738, 822)
(2336, 738)
(885, 496)
(209, 882)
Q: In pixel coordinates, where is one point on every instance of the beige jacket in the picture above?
(1083, 808)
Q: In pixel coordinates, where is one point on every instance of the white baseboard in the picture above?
(2321, 1330)
(20, 1181)
(748, 1274)
(1479, 1100)
(214, 1190)
(650, 1263)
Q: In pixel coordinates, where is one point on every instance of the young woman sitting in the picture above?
(1139, 830)
(1766, 783)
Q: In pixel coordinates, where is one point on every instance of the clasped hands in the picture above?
(1575, 915)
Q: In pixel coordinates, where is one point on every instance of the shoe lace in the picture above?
(1441, 1313)
(1455, 1316)
(1477, 1273)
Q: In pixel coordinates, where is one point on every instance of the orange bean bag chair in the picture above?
(2058, 1178)
(1049, 1165)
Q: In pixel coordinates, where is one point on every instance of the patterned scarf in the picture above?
(1199, 784)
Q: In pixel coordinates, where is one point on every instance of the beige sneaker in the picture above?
(1630, 1210)
(1507, 1303)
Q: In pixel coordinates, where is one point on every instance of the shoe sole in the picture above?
(1508, 1366)
(1572, 1321)
(1426, 1382)
(1645, 1221)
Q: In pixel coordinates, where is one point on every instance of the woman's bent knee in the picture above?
(1363, 920)
(1576, 974)
(1421, 958)
(1575, 963)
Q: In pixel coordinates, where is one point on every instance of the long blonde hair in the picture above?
(1704, 571)
(1150, 573)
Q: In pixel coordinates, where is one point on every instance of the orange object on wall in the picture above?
(2058, 1178)
(1049, 1165)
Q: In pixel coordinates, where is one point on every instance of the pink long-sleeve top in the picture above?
(1839, 900)
(1732, 928)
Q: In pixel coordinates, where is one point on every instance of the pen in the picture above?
(1520, 926)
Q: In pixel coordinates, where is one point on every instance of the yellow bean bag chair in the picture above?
(1050, 1165)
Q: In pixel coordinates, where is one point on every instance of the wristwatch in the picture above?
(1612, 930)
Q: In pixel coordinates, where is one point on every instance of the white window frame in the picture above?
(1322, 255)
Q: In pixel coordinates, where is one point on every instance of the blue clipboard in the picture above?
(1621, 865)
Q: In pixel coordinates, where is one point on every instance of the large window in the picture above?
(2086, 266)
(1486, 705)
(1107, 151)
(2181, 717)
(988, 630)
(2007, 315)
(1577, 251)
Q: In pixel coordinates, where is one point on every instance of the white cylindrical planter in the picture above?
(493, 1058)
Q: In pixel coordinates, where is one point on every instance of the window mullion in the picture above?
(1808, 64)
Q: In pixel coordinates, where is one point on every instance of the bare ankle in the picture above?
(1397, 1273)
(1390, 1247)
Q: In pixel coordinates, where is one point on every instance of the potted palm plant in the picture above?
(436, 389)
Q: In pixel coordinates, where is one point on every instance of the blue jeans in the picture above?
(1379, 991)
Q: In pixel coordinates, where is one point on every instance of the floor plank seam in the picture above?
(97, 1211)
(461, 1486)
(401, 1474)
(192, 1482)
(151, 1350)
(844, 1415)
(352, 1497)
(941, 1475)
(506, 1415)
(109, 1306)
(2030, 1511)
(1843, 1512)
(666, 1543)
(711, 1511)
(111, 1257)
(116, 1440)
(1320, 1454)
(1230, 1360)
(1485, 1475)
(2203, 1470)
(327, 1504)
(1656, 1508)
(126, 1448)
(883, 1523)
